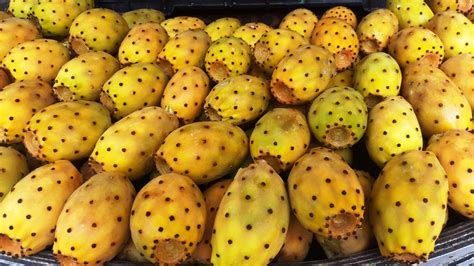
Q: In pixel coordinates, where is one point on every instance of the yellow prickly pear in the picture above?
(13, 167)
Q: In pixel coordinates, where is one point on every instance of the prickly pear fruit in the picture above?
(132, 88)
(377, 76)
(325, 194)
(339, 38)
(461, 6)
(66, 130)
(338, 117)
(297, 243)
(223, 27)
(375, 29)
(185, 93)
(130, 253)
(410, 13)
(177, 25)
(238, 100)
(14, 31)
(13, 167)
(38, 59)
(280, 138)
(142, 44)
(204, 151)
(455, 151)
(439, 104)
(19, 101)
(227, 57)
(455, 31)
(143, 15)
(416, 45)
(31, 209)
(185, 49)
(170, 233)
(239, 237)
(460, 70)
(213, 196)
(21, 8)
(343, 13)
(274, 45)
(342, 79)
(414, 188)
(392, 129)
(251, 32)
(98, 29)
(300, 20)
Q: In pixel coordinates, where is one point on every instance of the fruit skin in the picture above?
(342, 79)
(343, 13)
(223, 27)
(227, 57)
(168, 234)
(66, 130)
(204, 151)
(14, 31)
(32, 207)
(455, 151)
(392, 129)
(132, 88)
(375, 29)
(26, 61)
(82, 77)
(339, 38)
(213, 196)
(91, 32)
(130, 253)
(280, 137)
(460, 70)
(301, 20)
(463, 6)
(438, 103)
(142, 44)
(143, 15)
(274, 45)
(128, 145)
(19, 101)
(455, 31)
(21, 8)
(325, 194)
(185, 49)
(185, 93)
(240, 238)
(416, 44)
(297, 243)
(251, 32)
(13, 167)
(377, 76)
(410, 13)
(238, 100)
(413, 187)
(338, 117)
(4, 15)
(177, 25)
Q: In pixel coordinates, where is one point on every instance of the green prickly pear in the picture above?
(179, 24)
(251, 32)
(343, 13)
(227, 57)
(410, 13)
(223, 27)
(301, 20)
(143, 15)
(13, 167)
(342, 79)
(460, 70)
(297, 243)
(375, 29)
(14, 31)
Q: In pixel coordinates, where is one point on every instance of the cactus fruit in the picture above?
(455, 151)
(223, 27)
(21, 8)
(303, 74)
(326, 195)
(38, 59)
(142, 44)
(342, 13)
(170, 233)
(416, 45)
(185, 49)
(339, 38)
(13, 167)
(14, 31)
(461, 6)
(238, 99)
(300, 20)
(455, 31)
(342, 79)
(338, 117)
(130, 253)
(132, 88)
(185, 93)
(143, 15)
(460, 70)
(377, 76)
(274, 45)
(251, 32)
(97, 29)
(280, 138)
(413, 187)
(227, 57)
(375, 29)
(297, 243)
(240, 237)
(177, 25)
(19, 101)
(31, 209)
(66, 130)
(410, 13)
(204, 151)
(438, 103)
(213, 196)
(138, 135)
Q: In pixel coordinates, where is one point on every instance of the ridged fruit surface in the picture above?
(301, 20)
(13, 167)
(375, 30)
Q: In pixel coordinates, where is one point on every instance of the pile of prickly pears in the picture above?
(170, 140)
